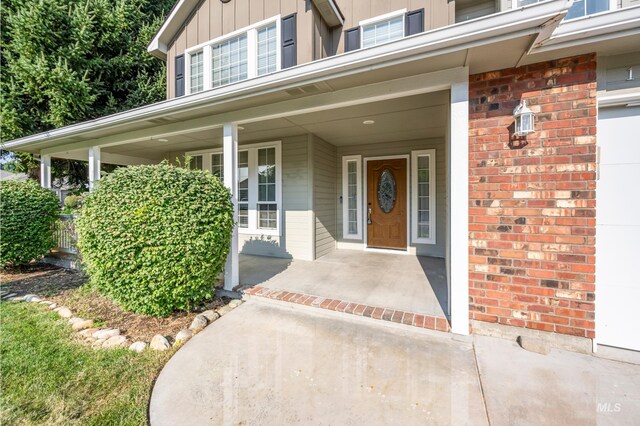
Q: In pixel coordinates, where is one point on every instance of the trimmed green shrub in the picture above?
(72, 201)
(155, 238)
(26, 227)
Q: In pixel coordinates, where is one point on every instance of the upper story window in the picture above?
(578, 9)
(250, 52)
(384, 29)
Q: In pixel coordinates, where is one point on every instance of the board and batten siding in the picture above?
(325, 193)
(437, 13)
(213, 19)
(402, 148)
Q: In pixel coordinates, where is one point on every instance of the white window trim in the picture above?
(252, 52)
(253, 228)
(381, 18)
(432, 196)
(345, 194)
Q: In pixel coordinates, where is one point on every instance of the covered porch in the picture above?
(412, 284)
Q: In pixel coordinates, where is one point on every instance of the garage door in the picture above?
(618, 228)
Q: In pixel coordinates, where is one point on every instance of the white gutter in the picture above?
(627, 99)
(524, 21)
(593, 28)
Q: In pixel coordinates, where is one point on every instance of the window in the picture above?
(259, 185)
(196, 162)
(244, 54)
(423, 196)
(351, 197)
(243, 189)
(217, 166)
(267, 209)
(383, 29)
(230, 61)
(586, 7)
(267, 49)
(196, 71)
(578, 9)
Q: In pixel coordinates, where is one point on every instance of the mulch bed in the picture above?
(65, 287)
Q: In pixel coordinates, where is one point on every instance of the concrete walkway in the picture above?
(274, 363)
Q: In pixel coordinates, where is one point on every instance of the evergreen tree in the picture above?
(67, 61)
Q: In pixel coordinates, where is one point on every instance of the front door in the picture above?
(387, 203)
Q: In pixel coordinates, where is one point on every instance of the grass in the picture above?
(48, 378)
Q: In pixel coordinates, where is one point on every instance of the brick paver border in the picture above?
(376, 312)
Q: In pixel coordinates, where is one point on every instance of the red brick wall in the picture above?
(532, 200)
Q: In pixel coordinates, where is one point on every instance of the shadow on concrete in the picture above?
(437, 276)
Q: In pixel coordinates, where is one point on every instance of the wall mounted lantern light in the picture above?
(524, 118)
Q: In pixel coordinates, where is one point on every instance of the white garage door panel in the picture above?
(618, 201)
(619, 121)
(618, 228)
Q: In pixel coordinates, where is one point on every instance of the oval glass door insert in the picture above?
(386, 191)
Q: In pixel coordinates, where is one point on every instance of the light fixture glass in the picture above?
(524, 119)
(368, 122)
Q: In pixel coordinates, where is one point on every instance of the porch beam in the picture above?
(230, 154)
(45, 171)
(459, 206)
(94, 166)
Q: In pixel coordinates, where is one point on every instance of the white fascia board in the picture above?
(501, 26)
(592, 28)
(177, 16)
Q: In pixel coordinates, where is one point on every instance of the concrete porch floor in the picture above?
(415, 284)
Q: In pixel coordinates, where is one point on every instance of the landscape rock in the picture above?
(88, 333)
(98, 343)
(82, 325)
(138, 346)
(8, 295)
(53, 306)
(115, 342)
(224, 310)
(182, 336)
(106, 333)
(210, 315)
(159, 343)
(74, 320)
(235, 303)
(64, 312)
(198, 323)
(15, 299)
(31, 298)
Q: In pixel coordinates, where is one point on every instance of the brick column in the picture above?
(532, 200)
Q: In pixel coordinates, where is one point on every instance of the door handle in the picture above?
(369, 216)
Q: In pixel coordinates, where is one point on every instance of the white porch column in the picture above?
(45, 171)
(94, 166)
(459, 206)
(230, 150)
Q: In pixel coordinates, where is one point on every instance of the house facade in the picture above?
(388, 127)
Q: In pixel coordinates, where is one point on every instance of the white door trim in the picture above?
(365, 193)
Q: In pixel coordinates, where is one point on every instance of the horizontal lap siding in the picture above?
(532, 200)
(403, 148)
(324, 196)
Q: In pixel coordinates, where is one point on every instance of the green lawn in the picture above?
(47, 378)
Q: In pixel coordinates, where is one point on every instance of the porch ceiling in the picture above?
(412, 117)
